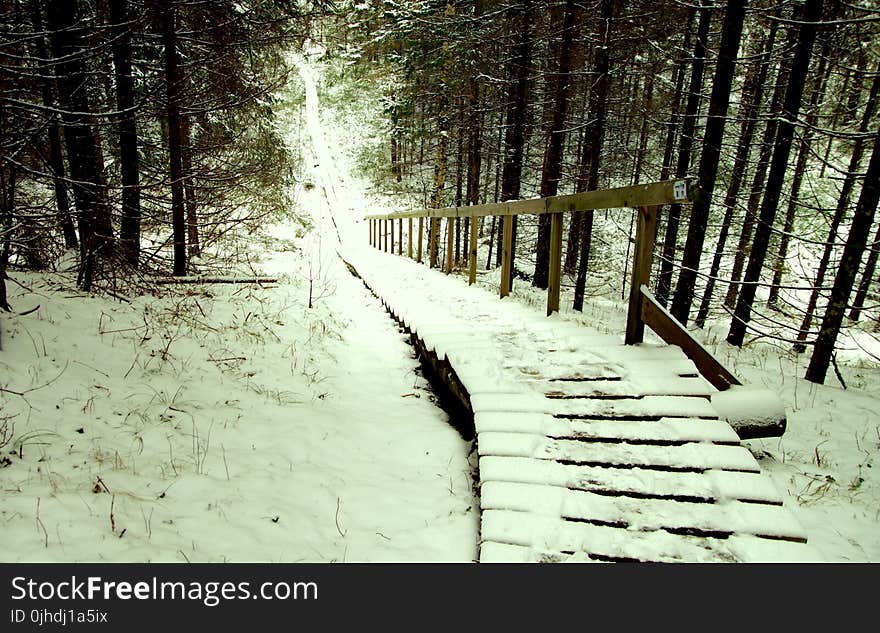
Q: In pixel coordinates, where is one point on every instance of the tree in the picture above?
(731, 31)
(853, 252)
(588, 179)
(779, 165)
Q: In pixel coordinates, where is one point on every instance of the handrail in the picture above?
(644, 197)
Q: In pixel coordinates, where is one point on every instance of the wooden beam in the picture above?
(409, 239)
(646, 232)
(385, 227)
(391, 235)
(472, 253)
(644, 195)
(506, 255)
(554, 277)
(670, 330)
(421, 237)
(400, 236)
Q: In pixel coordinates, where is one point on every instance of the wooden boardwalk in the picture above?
(589, 449)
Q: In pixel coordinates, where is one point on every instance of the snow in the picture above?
(231, 422)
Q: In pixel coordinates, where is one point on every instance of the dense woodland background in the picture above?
(139, 133)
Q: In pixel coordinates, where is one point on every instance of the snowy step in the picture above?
(664, 430)
(711, 485)
(692, 456)
(636, 385)
(707, 519)
(520, 537)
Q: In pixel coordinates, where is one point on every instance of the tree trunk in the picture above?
(839, 212)
(130, 227)
(731, 32)
(797, 178)
(753, 94)
(689, 123)
(189, 191)
(86, 170)
(517, 101)
(779, 165)
(552, 168)
(595, 135)
(56, 158)
(175, 133)
(849, 268)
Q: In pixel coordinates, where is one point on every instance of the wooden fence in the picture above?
(643, 308)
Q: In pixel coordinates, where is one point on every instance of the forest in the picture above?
(136, 134)
(192, 367)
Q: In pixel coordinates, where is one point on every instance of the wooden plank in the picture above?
(626, 408)
(664, 430)
(400, 237)
(516, 537)
(506, 256)
(635, 385)
(670, 330)
(709, 486)
(554, 279)
(646, 232)
(472, 253)
(691, 456)
(409, 248)
(421, 239)
(731, 517)
(642, 195)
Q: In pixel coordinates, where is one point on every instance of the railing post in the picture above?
(409, 238)
(421, 238)
(506, 255)
(450, 234)
(554, 277)
(434, 242)
(400, 236)
(385, 227)
(472, 252)
(646, 232)
(391, 235)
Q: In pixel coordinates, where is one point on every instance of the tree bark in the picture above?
(552, 168)
(714, 135)
(175, 144)
(839, 213)
(689, 122)
(84, 158)
(849, 268)
(130, 227)
(595, 135)
(779, 165)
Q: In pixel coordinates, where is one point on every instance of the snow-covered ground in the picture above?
(232, 422)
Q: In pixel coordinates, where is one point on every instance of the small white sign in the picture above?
(679, 190)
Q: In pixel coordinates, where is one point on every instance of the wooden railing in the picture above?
(643, 308)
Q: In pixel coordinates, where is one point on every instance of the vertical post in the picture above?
(421, 233)
(391, 234)
(554, 278)
(400, 236)
(434, 242)
(472, 252)
(450, 234)
(646, 232)
(409, 239)
(506, 255)
(385, 227)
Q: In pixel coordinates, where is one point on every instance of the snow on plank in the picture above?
(664, 430)
(518, 537)
(710, 486)
(634, 386)
(703, 519)
(689, 456)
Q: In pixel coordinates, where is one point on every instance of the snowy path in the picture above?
(589, 449)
